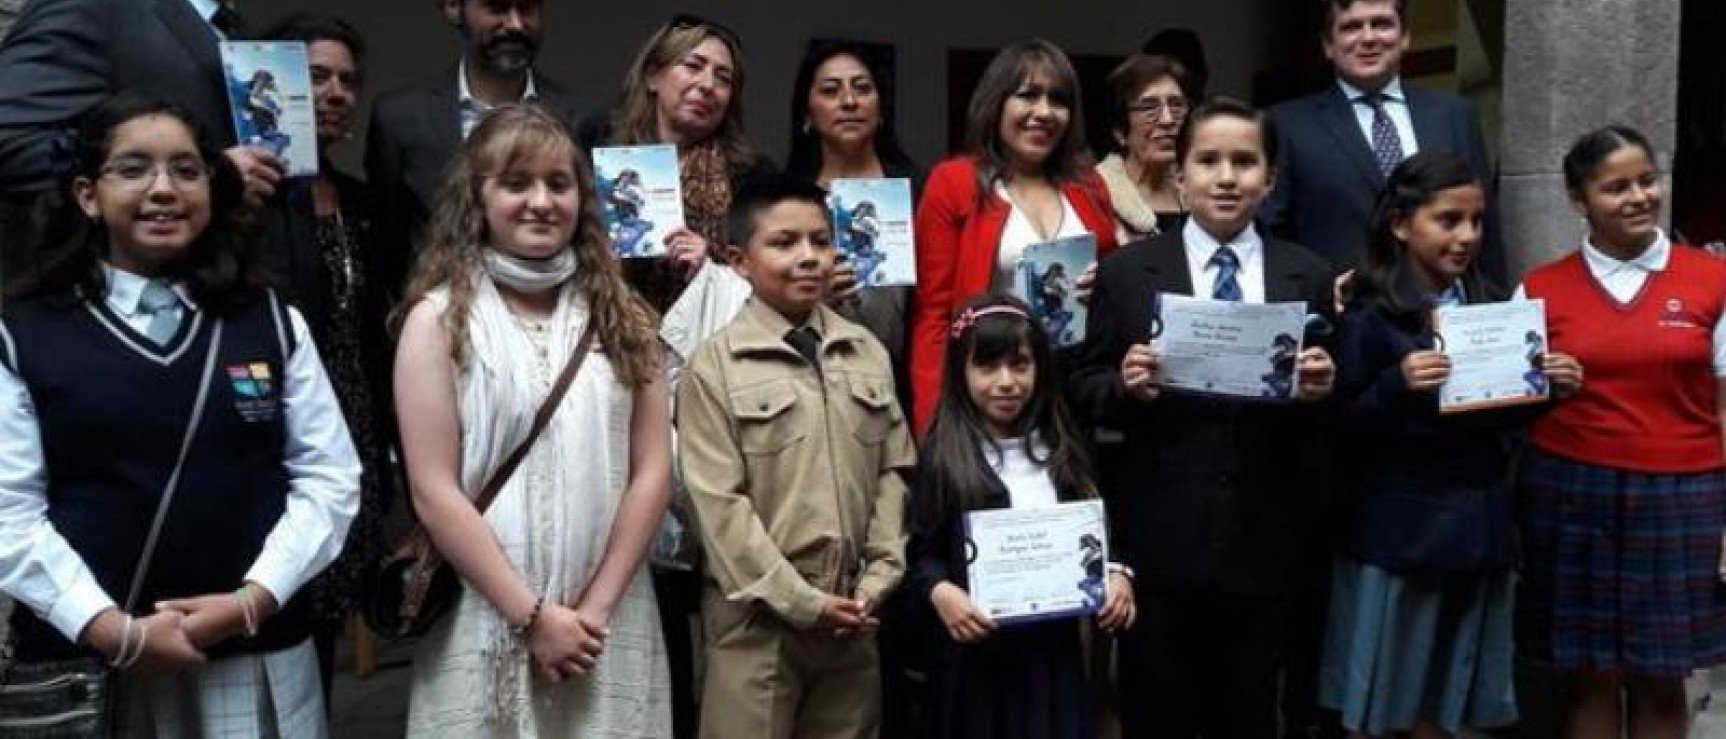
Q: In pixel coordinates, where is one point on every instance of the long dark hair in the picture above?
(221, 267)
(1070, 161)
(954, 473)
(805, 155)
(1387, 276)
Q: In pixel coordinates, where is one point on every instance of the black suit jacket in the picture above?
(1211, 493)
(64, 56)
(1328, 181)
(414, 133)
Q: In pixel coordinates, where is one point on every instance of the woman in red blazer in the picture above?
(1025, 178)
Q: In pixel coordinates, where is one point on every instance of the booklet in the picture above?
(1035, 564)
(1045, 280)
(642, 193)
(1495, 352)
(1223, 347)
(270, 94)
(872, 227)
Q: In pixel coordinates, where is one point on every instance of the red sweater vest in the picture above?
(1649, 396)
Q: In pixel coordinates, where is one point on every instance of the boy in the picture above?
(791, 446)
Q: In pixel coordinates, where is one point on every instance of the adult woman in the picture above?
(1024, 178)
(1149, 104)
(684, 88)
(1626, 484)
(321, 238)
(516, 266)
(232, 485)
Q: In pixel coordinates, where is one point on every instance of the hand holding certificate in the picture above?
(1496, 353)
(1245, 350)
(1032, 564)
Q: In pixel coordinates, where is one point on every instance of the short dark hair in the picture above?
(763, 191)
(1227, 107)
(1592, 149)
(1134, 74)
(1334, 7)
(310, 27)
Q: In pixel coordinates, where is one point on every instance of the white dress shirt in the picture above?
(1020, 233)
(1395, 106)
(1248, 247)
(472, 109)
(206, 9)
(41, 570)
(1028, 483)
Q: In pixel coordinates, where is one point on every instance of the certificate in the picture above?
(872, 227)
(1495, 351)
(1033, 564)
(1220, 347)
(641, 193)
(270, 95)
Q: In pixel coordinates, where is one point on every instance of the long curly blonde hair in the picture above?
(458, 232)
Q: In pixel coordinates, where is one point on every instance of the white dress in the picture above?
(553, 519)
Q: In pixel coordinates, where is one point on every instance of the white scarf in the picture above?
(1130, 206)
(531, 276)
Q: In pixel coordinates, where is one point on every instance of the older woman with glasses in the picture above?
(1150, 102)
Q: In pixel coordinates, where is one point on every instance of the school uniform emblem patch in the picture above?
(254, 391)
(1674, 316)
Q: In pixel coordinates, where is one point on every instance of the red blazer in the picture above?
(957, 246)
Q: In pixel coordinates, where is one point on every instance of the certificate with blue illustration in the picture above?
(1034, 564)
(872, 228)
(270, 94)
(1495, 351)
(1047, 280)
(1228, 348)
(642, 194)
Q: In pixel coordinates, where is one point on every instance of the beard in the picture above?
(509, 54)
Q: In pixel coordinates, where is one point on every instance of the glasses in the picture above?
(1150, 109)
(725, 34)
(140, 174)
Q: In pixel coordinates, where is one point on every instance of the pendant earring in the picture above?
(807, 126)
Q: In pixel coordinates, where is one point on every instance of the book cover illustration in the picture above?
(872, 228)
(642, 194)
(1046, 281)
(270, 95)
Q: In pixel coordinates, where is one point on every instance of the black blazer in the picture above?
(1209, 493)
(62, 57)
(1328, 181)
(414, 133)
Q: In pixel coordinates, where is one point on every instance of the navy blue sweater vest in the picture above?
(113, 408)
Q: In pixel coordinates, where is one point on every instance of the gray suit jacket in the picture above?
(64, 56)
(1328, 181)
(415, 132)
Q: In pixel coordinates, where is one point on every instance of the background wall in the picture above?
(588, 45)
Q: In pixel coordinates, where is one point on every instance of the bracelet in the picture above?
(125, 643)
(1116, 568)
(521, 631)
(143, 638)
(248, 610)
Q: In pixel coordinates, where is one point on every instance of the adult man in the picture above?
(1338, 144)
(415, 131)
(64, 56)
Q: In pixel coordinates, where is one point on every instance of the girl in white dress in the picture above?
(556, 633)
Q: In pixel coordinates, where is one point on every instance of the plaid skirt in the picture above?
(247, 696)
(1621, 569)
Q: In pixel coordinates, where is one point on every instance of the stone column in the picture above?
(1571, 66)
(8, 13)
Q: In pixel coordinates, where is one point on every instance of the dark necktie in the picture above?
(1386, 142)
(227, 20)
(1227, 286)
(806, 342)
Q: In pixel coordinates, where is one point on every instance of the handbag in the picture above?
(415, 586)
(73, 698)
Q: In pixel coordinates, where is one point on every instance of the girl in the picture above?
(1215, 500)
(1420, 619)
(1001, 438)
(516, 267)
(1025, 178)
(146, 333)
(1626, 484)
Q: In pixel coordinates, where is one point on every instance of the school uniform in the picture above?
(94, 412)
(1626, 485)
(793, 459)
(1216, 500)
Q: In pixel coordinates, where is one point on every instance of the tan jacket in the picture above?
(794, 471)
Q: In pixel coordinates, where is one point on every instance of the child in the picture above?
(791, 447)
(1219, 505)
(1002, 438)
(1420, 617)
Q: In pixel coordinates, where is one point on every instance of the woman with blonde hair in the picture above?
(557, 631)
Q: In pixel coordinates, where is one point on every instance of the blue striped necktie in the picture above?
(1227, 285)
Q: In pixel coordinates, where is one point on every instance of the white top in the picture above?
(1623, 280)
(1020, 233)
(1028, 484)
(1395, 106)
(205, 10)
(471, 109)
(1249, 247)
(40, 570)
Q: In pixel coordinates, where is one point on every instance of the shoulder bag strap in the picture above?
(547, 409)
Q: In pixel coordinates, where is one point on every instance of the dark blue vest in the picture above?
(113, 409)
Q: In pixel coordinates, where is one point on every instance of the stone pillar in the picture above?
(1571, 66)
(8, 13)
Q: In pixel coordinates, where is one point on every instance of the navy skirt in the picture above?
(1622, 568)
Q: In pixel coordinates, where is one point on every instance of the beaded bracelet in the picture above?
(521, 631)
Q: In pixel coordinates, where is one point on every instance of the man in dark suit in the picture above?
(416, 130)
(1339, 144)
(62, 57)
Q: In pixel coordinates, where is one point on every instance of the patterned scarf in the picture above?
(706, 189)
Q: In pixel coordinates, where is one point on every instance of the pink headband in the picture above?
(969, 318)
